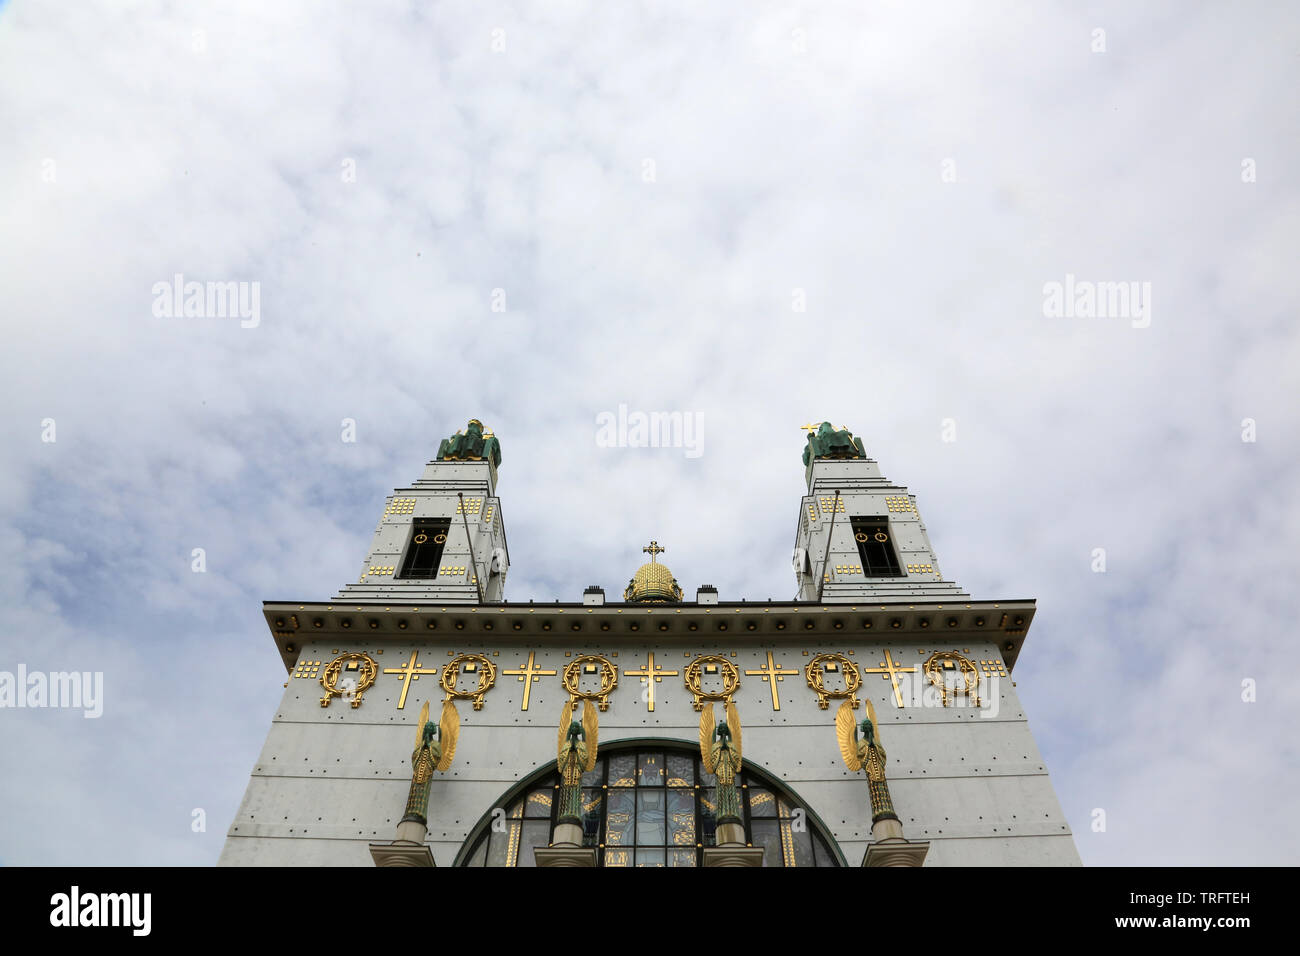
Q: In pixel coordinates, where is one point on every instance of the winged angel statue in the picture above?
(575, 755)
(865, 753)
(435, 746)
(720, 752)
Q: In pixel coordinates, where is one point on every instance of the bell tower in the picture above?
(443, 538)
(860, 536)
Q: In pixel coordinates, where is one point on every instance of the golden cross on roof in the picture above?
(653, 550)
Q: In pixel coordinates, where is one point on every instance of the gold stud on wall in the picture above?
(900, 504)
(993, 668)
(307, 669)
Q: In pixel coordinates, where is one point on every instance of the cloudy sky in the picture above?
(758, 215)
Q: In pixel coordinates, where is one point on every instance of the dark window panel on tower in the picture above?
(424, 550)
(875, 547)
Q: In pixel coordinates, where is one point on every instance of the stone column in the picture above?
(888, 846)
(566, 848)
(408, 849)
(732, 849)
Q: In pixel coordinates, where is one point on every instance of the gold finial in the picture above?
(653, 550)
(813, 427)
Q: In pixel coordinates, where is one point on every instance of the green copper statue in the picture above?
(829, 442)
(471, 445)
(435, 746)
(721, 755)
(865, 753)
(575, 755)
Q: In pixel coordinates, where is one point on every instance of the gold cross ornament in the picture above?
(771, 674)
(409, 671)
(651, 670)
(529, 674)
(889, 669)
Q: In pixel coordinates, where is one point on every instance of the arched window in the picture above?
(650, 804)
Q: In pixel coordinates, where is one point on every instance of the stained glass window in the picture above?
(651, 770)
(539, 803)
(621, 767)
(535, 833)
(652, 807)
(681, 817)
(761, 803)
(681, 770)
(618, 821)
(650, 818)
(764, 833)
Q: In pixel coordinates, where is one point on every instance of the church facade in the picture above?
(871, 721)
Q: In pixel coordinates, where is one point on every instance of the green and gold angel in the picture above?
(435, 747)
(865, 752)
(575, 755)
(720, 751)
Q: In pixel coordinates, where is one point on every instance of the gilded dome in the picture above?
(653, 583)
